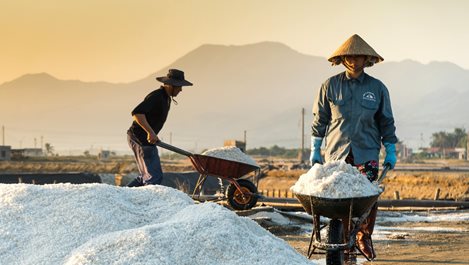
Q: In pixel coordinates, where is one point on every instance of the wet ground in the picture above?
(404, 243)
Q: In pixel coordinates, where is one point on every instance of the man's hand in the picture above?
(152, 138)
(315, 156)
(390, 158)
(141, 119)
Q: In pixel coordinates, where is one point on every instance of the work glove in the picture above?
(390, 157)
(315, 156)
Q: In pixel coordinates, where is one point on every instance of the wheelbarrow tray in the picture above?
(213, 166)
(218, 167)
(336, 208)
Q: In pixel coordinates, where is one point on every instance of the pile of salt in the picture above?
(231, 153)
(334, 180)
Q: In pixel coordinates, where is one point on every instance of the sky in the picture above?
(123, 41)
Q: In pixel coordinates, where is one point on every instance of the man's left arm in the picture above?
(387, 128)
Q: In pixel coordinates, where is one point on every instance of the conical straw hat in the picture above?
(355, 45)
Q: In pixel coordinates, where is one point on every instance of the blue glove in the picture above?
(315, 156)
(390, 154)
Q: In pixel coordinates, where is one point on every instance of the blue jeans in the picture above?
(148, 163)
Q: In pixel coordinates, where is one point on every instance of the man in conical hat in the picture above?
(353, 115)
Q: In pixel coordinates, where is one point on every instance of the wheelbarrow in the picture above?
(241, 193)
(349, 212)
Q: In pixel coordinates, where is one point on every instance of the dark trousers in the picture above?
(148, 163)
(370, 170)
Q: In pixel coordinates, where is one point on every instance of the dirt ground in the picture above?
(419, 248)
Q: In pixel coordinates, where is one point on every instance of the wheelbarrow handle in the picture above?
(173, 148)
(386, 168)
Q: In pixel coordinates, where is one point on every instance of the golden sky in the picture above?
(124, 40)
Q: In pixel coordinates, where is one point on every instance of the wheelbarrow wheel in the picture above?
(335, 236)
(242, 200)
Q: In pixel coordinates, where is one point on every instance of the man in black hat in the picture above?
(149, 117)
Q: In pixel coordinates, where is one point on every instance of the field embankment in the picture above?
(435, 176)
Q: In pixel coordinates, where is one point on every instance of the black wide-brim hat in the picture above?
(174, 77)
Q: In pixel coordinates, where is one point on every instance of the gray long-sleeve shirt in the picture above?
(353, 113)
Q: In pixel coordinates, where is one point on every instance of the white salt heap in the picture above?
(334, 180)
(103, 224)
(232, 153)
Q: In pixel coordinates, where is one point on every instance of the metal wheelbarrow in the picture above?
(349, 212)
(241, 194)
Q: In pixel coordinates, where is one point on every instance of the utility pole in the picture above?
(3, 135)
(302, 151)
(467, 146)
(421, 140)
(245, 140)
(171, 143)
(302, 132)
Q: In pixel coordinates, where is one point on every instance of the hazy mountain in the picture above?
(426, 98)
(259, 88)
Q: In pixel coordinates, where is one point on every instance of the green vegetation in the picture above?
(275, 150)
(458, 138)
(49, 149)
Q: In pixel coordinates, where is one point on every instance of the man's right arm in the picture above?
(141, 120)
(321, 118)
(321, 113)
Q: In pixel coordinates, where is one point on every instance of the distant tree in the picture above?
(455, 139)
(274, 151)
(460, 137)
(49, 149)
(86, 153)
(259, 151)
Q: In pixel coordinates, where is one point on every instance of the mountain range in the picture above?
(259, 89)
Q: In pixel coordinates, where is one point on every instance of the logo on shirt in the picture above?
(369, 96)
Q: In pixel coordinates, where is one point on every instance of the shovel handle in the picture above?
(386, 168)
(173, 148)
